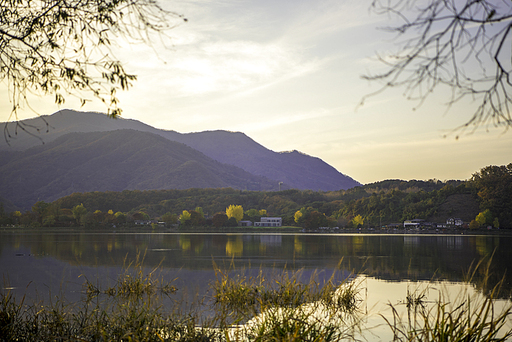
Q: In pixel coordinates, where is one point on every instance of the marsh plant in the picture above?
(252, 306)
(282, 307)
(467, 315)
(134, 283)
(130, 310)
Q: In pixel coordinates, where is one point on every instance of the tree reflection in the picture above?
(388, 257)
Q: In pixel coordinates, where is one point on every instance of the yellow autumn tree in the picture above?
(297, 216)
(235, 211)
(184, 217)
(358, 221)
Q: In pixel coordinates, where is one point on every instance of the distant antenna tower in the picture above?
(280, 185)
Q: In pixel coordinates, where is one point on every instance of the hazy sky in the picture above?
(288, 74)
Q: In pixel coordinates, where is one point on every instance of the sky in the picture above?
(287, 73)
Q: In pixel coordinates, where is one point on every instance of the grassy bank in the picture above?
(244, 307)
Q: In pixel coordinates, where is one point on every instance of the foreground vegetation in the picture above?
(241, 307)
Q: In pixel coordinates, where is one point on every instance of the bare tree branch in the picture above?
(452, 43)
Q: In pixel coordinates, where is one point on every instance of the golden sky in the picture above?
(288, 74)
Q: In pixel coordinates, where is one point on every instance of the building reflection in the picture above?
(271, 240)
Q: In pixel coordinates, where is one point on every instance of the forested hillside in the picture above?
(113, 161)
(386, 202)
(484, 200)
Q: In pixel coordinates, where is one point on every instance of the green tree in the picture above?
(88, 219)
(119, 217)
(196, 219)
(109, 216)
(315, 220)
(4, 218)
(494, 187)
(200, 211)
(235, 211)
(341, 221)
(28, 218)
(98, 216)
(66, 216)
(231, 222)
(49, 221)
(459, 44)
(169, 218)
(46, 213)
(140, 215)
(219, 220)
(79, 212)
(62, 47)
(252, 213)
(39, 209)
(16, 216)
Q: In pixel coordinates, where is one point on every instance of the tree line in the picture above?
(371, 205)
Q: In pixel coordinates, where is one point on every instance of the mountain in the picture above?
(296, 169)
(114, 161)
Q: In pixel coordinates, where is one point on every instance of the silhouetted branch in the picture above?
(452, 43)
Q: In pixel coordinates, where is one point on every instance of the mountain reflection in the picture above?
(387, 257)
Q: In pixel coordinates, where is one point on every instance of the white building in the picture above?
(413, 223)
(269, 222)
(454, 221)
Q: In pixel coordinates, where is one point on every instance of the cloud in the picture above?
(244, 46)
(226, 66)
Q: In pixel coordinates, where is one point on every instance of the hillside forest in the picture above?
(485, 200)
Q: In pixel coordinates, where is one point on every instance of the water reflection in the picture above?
(38, 256)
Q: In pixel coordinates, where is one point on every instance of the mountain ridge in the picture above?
(296, 169)
(115, 161)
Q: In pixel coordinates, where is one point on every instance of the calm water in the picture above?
(44, 264)
(51, 261)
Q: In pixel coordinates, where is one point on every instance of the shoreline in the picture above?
(264, 230)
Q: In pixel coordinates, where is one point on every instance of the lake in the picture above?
(45, 263)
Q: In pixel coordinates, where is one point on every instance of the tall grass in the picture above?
(130, 310)
(468, 316)
(244, 296)
(284, 308)
(261, 307)
(134, 283)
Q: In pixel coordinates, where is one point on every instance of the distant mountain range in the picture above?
(73, 151)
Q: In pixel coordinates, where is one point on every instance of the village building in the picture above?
(454, 221)
(269, 222)
(143, 222)
(413, 223)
